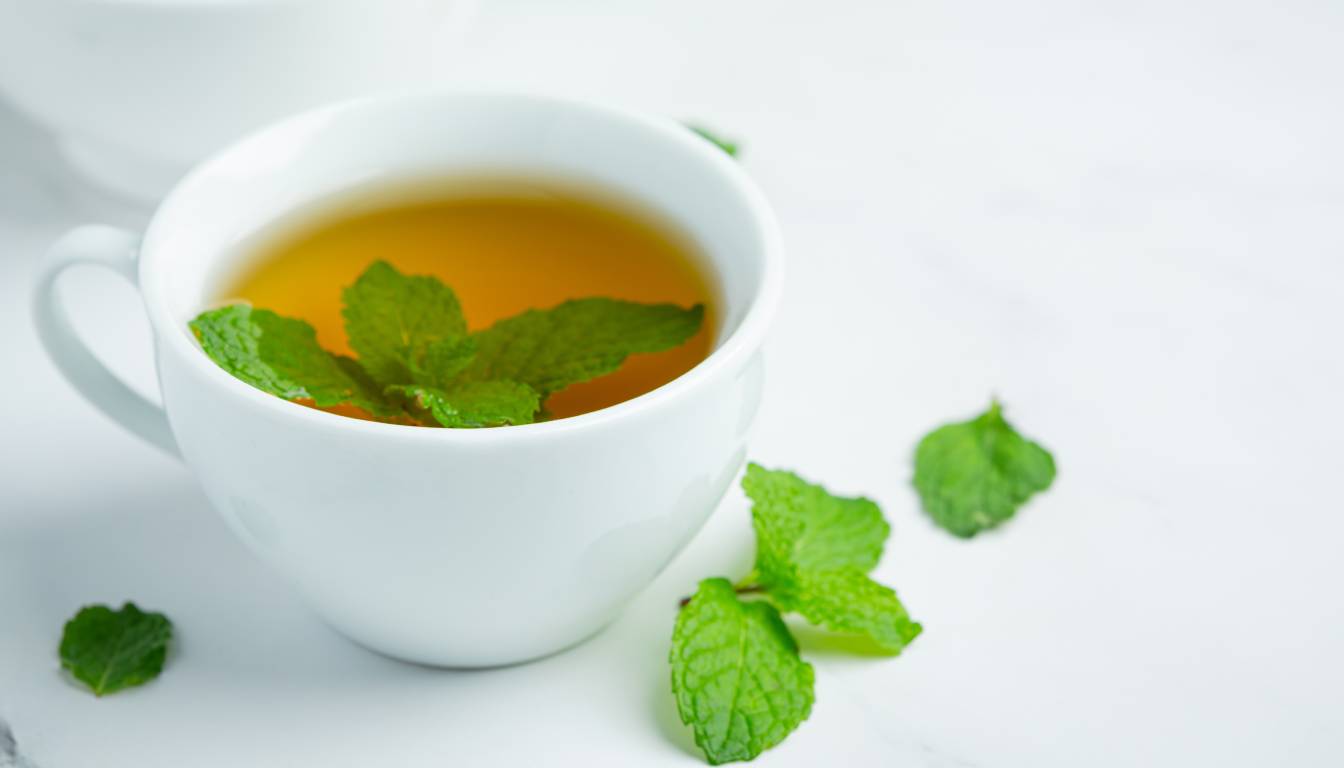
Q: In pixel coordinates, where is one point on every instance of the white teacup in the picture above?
(442, 546)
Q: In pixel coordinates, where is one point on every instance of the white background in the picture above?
(1122, 216)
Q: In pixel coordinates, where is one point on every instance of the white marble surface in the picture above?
(1123, 217)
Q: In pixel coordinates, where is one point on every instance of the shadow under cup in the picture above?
(464, 547)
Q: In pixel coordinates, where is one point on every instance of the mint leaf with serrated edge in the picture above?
(813, 552)
(581, 339)
(728, 146)
(801, 525)
(475, 403)
(444, 361)
(973, 475)
(111, 650)
(847, 600)
(280, 355)
(392, 319)
(736, 674)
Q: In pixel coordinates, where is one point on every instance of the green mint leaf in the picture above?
(110, 650)
(731, 147)
(444, 361)
(736, 674)
(800, 526)
(280, 355)
(475, 403)
(813, 551)
(366, 393)
(846, 600)
(578, 340)
(974, 475)
(392, 319)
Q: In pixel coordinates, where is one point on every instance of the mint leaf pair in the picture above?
(738, 678)
(419, 364)
(973, 475)
(110, 650)
(813, 554)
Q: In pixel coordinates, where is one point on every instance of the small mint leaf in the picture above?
(392, 319)
(736, 674)
(475, 403)
(280, 355)
(973, 475)
(813, 551)
(578, 340)
(846, 600)
(110, 650)
(444, 361)
(728, 146)
(800, 525)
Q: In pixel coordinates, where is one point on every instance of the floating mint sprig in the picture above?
(418, 363)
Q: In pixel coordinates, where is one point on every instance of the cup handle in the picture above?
(116, 250)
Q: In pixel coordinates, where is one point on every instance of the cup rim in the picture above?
(743, 341)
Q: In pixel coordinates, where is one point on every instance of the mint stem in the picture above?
(741, 589)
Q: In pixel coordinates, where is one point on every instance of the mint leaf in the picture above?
(578, 340)
(801, 526)
(366, 393)
(475, 403)
(736, 674)
(444, 361)
(392, 319)
(846, 600)
(974, 475)
(813, 551)
(110, 650)
(730, 147)
(280, 355)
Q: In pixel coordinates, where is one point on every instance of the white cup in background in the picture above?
(138, 91)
